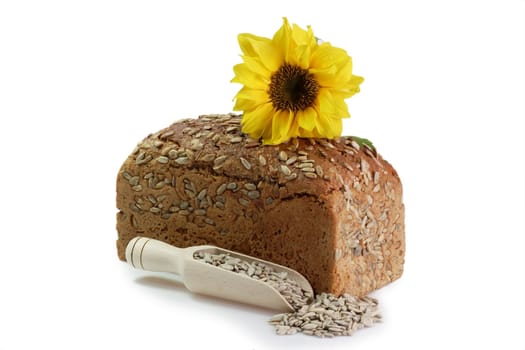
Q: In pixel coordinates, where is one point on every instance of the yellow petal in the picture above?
(353, 84)
(306, 119)
(257, 66)
(325, 103)
(324, 77)
(253, 94)
(249, 99)
(308, 133)
(319, 126)
(242, 104)
(255, 122)
(301, 56)
(331, 66)
(350, 88)
(282, 39)
(344, 74)
(329, 127)
(266, 132)
(247, 77)
(356, 80)
(246, 41)
(332, 104)
(341, 108)
(281, 124)
(295, 130)
(262, 48)
(303, 37)
(325, 55)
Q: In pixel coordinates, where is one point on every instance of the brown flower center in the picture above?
(293, 88)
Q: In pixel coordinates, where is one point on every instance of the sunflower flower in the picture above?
(293, 85)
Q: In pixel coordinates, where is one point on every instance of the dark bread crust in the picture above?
(339, 219)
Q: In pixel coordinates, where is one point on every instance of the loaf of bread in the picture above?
(330, 209)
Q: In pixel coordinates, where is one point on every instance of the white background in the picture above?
(81, 82)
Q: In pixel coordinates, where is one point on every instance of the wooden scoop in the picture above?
(200, 277)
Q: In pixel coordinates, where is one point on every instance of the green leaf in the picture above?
(362, 141)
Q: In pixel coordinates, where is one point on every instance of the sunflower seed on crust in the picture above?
(285, 170)
(245, 163)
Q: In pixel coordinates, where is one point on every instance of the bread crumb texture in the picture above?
(330, 209)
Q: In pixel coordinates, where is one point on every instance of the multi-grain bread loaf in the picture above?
(331, 209)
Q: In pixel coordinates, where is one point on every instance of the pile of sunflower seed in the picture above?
(289, 288)
(327, 316)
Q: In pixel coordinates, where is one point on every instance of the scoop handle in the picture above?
(153, 255)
